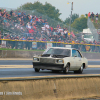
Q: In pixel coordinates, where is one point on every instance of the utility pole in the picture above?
(70, 16)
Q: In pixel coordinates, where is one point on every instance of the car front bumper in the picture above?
(48, 66)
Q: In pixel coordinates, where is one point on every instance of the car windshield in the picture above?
(57, 51)
(88, 36)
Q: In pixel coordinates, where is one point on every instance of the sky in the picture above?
(80, 7)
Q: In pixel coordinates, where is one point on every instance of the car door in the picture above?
(73, 60)
(78, 60)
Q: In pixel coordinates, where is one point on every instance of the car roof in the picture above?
(63, 48)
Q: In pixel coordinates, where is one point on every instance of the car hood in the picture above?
(54, 56)
(88, 39)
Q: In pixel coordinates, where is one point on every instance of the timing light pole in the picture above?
(70, 15)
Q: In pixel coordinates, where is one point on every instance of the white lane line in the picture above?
(16, 66)
(31, 66)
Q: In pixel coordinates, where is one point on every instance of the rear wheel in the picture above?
(75, 72)
(55, 71)
(80, 70)
(66, 69)
(37, 69)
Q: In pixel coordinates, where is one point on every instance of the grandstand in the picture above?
(22, 24)
(19, 24)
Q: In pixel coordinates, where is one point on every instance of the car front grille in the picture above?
(47, 60)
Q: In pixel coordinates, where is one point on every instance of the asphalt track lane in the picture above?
(24, 72)
(29, 62)
(18, 67)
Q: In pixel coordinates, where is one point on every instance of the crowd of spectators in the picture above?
(24, 26)
(31, 27)
(91, 15)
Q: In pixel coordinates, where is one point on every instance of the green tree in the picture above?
(74, 16)
(80, 23)
(28, 6)
(46, 9)
(51, 11)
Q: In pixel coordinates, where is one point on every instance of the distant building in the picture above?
(87, 35)
(87, 31)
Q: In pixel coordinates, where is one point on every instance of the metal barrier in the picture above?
(42, 45)
(52, 22)
(93, 29)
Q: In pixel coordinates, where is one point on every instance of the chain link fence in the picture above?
(93, 29)
(52, 22)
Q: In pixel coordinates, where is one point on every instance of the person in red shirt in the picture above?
(31, 31)
(89, 15)
(51, 29)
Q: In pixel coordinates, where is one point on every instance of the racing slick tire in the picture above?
(37, 69)
(80, 70)
(66, 70)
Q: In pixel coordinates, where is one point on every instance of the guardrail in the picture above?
(49, 77)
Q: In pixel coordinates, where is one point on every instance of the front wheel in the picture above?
(37, 69)
(66, 70)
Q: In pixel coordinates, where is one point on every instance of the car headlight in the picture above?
(60, 61)
(36, 59)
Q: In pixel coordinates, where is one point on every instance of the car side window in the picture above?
(79, 55)
(74, 53)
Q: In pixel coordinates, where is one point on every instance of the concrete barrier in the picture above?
(18, 54)
(29, 54)
(64, 88)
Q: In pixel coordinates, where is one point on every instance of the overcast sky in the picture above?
(79, 6)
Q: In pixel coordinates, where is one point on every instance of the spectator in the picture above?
(89, 15)
(11, 12)
(19, 14)
(46, 26)
(92, 15)
(51, 29)
(0, 15)
(97, 17)
(0, 35)
(15, 14)
(58, 26)
(45, 21)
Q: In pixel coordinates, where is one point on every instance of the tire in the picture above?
(66, 70)
(80, 70)
(37, 69)
(55, 71)
(75, 72)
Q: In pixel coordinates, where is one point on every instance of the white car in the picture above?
(60, 59)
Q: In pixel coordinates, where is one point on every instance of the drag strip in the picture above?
(29, 62)
(23, 68)
(24, 72)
